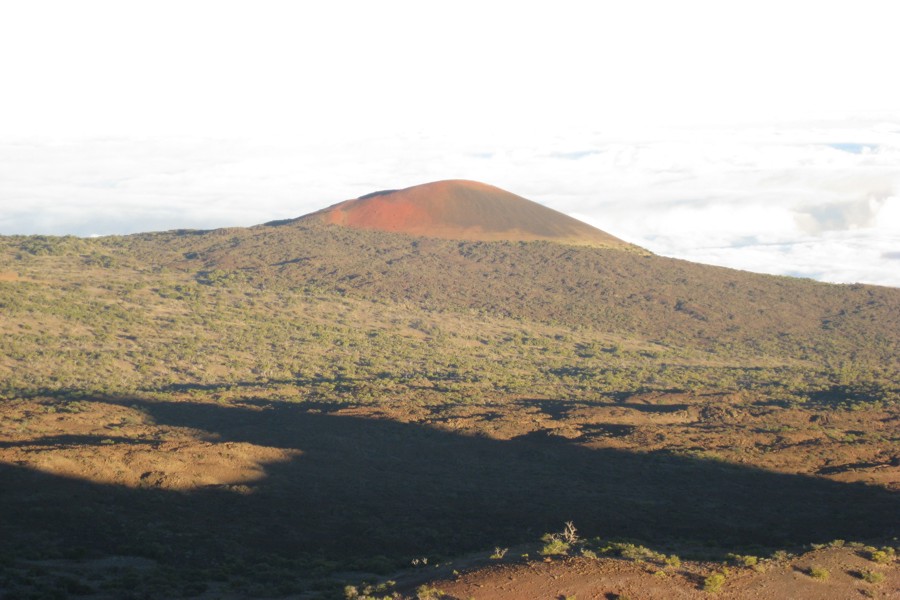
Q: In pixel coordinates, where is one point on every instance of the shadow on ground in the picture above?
(363, 488)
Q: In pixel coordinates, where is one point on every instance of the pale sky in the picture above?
(759, 135)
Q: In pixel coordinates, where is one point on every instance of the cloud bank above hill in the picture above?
(783, 201)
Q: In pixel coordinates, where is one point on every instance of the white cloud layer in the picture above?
(763, 136)
(784, 202)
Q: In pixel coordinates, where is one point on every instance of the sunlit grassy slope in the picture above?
(234, 304)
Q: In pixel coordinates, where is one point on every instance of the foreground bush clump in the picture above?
(559, 543)
(873, 577)
(817, 572)
(714, 582)
(427, 592)
(553, 547)
(743, 560)
(884, 556)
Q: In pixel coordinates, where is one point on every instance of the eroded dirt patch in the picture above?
(824, 574)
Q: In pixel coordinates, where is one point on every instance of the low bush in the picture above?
(818, 572)
(714, 582)
(873, 577)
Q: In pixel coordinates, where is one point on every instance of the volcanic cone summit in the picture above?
(464, 210)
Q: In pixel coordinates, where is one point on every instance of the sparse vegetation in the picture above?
(381, 591)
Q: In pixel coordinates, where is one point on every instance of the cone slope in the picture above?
(464, 210)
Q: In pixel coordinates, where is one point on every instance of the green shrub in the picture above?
(427, 592)
(559, 543)
(817, 572)
(742, 560)
(639, 553)
(554, 546)
(883, 556)
(714, 582)
(870, 576)
(368, 592)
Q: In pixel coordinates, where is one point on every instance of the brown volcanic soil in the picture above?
(612, 578)
(464, 210)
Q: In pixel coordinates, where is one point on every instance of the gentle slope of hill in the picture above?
(618, 292)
